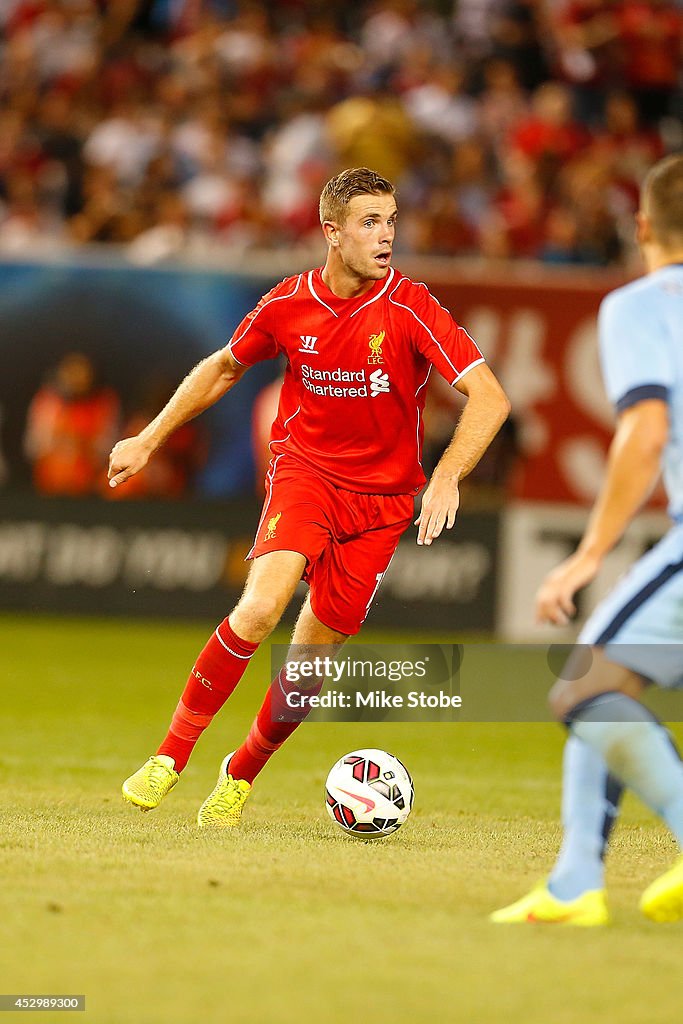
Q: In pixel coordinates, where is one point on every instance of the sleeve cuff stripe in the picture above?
(231, 349)
(467, 369)
(641, 394)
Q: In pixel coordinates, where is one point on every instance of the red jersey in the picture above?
(357, 369)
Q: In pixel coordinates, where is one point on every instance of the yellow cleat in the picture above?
(662, 901)
(223, 807)
(589, 910)
(150, 784)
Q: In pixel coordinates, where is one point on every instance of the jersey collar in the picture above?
(338, 306)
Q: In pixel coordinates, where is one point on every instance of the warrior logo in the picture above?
(376, 342)
(308, 343)
(272, 527)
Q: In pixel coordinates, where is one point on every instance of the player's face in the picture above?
(366, 238)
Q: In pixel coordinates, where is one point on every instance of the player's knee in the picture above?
(256, 616)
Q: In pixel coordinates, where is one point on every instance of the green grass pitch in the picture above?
(288, 920)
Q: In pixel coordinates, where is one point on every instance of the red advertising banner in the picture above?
(538, 330)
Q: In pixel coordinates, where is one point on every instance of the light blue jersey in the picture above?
(641, 348)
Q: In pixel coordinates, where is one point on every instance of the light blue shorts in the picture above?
(640, 624)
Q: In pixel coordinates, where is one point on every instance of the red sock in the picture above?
(216, 673)
(275, 722)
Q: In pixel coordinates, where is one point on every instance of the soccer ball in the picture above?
(369, 793)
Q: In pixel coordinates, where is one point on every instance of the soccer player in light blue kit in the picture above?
(635, 636)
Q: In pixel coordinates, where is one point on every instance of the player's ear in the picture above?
(331, 232)
(643, 228)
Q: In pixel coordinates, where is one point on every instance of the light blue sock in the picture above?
(590, 802)
(638, 750)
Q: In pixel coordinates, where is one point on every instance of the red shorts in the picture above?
(347, 538)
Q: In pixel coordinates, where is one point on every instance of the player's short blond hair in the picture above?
(340, 190)
(662, 201)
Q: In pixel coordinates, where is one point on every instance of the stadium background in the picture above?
(160, 164)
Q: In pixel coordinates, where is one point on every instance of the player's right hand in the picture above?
(127, 458)
(555, 597)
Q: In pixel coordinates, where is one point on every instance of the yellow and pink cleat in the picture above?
(589, 910)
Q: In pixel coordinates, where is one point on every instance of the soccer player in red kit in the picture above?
(360, 341)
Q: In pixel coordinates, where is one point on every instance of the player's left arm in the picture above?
(633, 467)
(486, 410)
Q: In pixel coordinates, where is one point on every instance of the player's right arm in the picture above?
(203, 386)
(633, 467)
(253, 341)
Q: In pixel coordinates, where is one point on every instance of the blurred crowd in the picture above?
(512, 128)
(73, 421)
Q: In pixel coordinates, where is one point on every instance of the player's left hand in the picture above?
(555, 597)
(439, 507)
